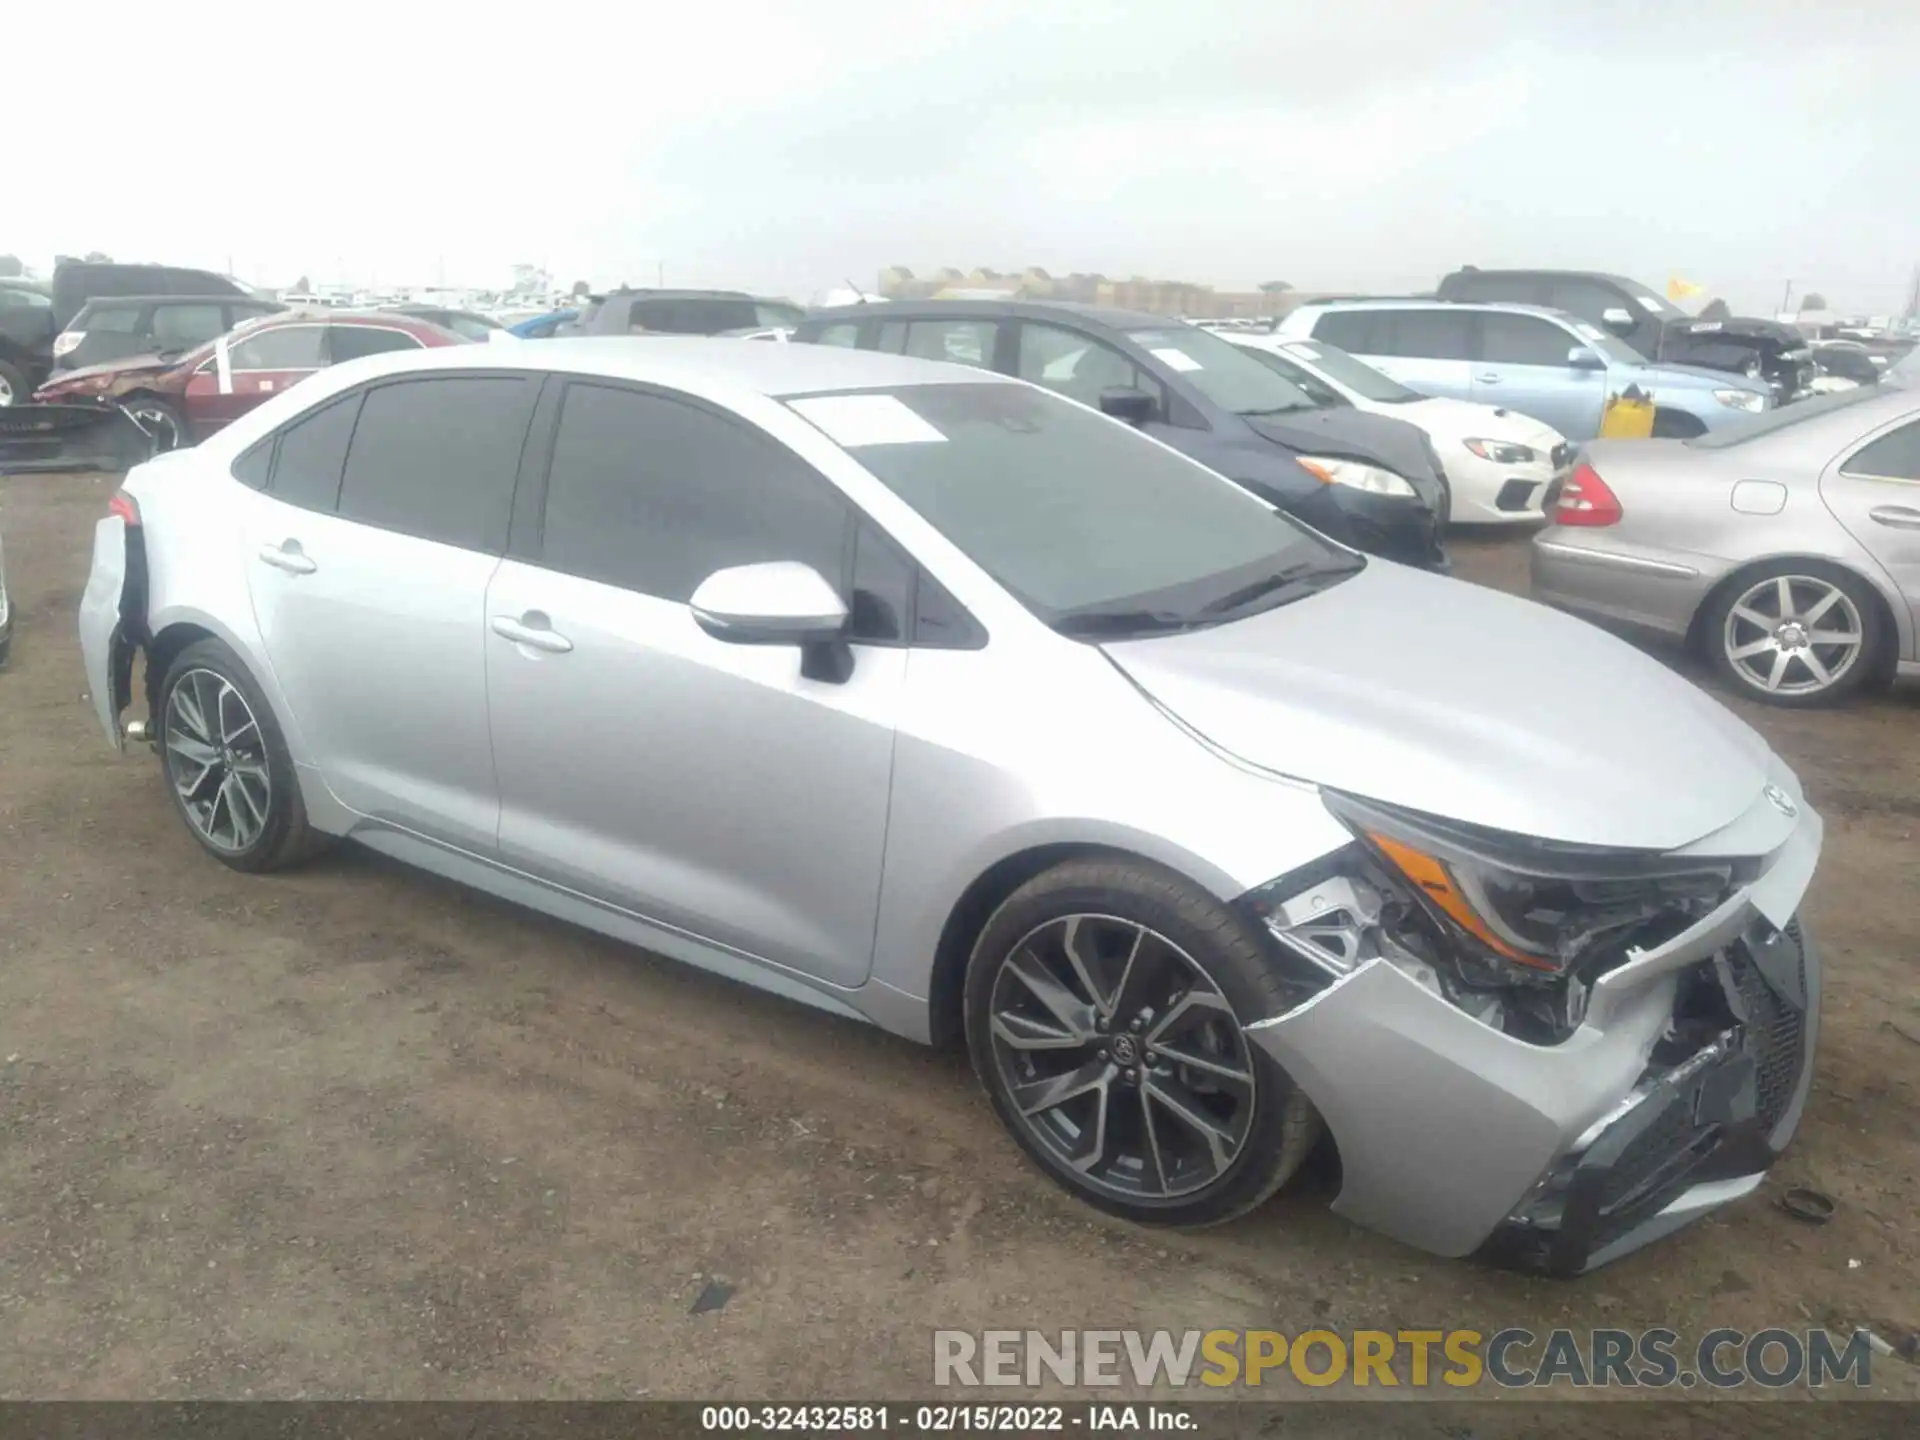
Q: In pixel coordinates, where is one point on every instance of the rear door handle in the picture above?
(1489, 378)
(1900, 517)
(288, 556)
(533, 630)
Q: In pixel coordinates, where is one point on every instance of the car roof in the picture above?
(99, 301)
(1108, 315)
(751, 365)
(1545, 312)
(1622, 281)
(637, 293)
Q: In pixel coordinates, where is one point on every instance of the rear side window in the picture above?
(350, 342)
(654, 495)
(1507, 339)
(1894, 456)
(1350, 330)
(181, 327)
(286, 347)
(1422, 334)
(436, 458)
(312, 452)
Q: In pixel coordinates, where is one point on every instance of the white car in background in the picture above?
(1502, 465)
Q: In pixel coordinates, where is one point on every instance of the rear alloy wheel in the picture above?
(226, 764)
(1105, 1006)
(1795, 633)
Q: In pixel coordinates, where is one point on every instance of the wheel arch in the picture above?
(1670, 423)
(172, 630)
(1889, 617)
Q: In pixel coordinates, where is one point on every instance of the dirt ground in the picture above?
(354, 1131)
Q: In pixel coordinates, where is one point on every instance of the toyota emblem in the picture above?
(1781, 801)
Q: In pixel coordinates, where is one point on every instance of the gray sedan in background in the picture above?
(1784, 548)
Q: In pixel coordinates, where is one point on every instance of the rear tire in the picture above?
(225, 763)
(1765, 641)
(161, 419)
(1104, 1006)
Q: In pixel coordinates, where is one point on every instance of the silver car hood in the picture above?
(1459, 701)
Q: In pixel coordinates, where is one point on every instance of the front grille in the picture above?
(1775, 1030)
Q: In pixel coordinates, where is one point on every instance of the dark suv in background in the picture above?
(1364, 480)
(26, 338)
(1657, 328)
(150, 325)
(679, 312)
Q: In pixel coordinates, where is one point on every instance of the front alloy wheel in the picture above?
(1106, 1000)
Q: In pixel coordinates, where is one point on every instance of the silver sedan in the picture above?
(1785, 548)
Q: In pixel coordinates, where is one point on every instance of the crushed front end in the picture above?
(1545, 1055)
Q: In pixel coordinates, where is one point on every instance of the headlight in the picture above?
(1370, 478)
(1503, 452)
(1525, 910)
(1741, 399)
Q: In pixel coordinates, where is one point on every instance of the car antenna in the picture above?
(859, 295)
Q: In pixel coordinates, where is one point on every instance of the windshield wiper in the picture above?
(1276, 410)
(1114, 623)
(1307, 576)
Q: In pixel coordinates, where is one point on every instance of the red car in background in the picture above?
(181, 399)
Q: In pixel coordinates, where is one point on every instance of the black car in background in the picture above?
(679, 312)
(1657, 328)
(469, 324)
(1366, 480)
(27, 329)
(112, 329)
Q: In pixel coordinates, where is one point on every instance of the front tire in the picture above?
(226, 764)
(1104, 1006)
(1798, 633)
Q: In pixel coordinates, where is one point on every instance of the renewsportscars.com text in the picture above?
(1514, 1358)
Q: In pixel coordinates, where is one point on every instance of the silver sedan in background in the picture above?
(1784, 548)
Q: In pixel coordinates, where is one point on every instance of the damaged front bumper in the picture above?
(1460, 1139)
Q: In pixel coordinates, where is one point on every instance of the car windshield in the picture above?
(1358, 376)
(1092, 526)
(1221, 371)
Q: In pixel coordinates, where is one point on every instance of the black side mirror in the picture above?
(1123, 402)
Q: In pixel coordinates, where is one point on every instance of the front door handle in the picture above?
(1488, 378)
(533, 630)
(288, 556)
(1900, 517)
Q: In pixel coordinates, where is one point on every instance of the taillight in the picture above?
(1586, 500)
(68, 341)
(125, 507)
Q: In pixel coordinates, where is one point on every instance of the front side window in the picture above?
(1356, 375)
(1078, 366)
(960, 342)
(311, 454)
(17, 297)
(181, 327)
(1507, 339)
(1318, 391)
(285, 347)
(436, 458)
(1894, 456)
(111, 320)
(1065, 509)
(1222, 371)
(845, 334)
(1588, 299)
(350, 342)
(654, 495)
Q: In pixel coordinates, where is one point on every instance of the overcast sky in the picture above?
(786, 147)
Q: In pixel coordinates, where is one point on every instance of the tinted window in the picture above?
(350, 342)
(689, 316)
(893, 337)
(1351, 330)
(312, 453)
(1588, 299)
(883, 580)
(1522, 340)
(468, 327)
(773, 313)
(184, 326)
(654, 495)
(1894, 456)
(1077, 366)
(110, 319)
(1309, 384)
(964, 342)
(287, 347)
(846, 333)
(254, 465)
(437, 457)
(14, 297)
(1422, 334)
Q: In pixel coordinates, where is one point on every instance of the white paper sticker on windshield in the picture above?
(851, 421)
(1178, 359)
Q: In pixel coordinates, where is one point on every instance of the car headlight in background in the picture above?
(67, 341)
(1741, 399)
(1502, 452)
(1370, 478)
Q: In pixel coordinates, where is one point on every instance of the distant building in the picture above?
(1155, 297)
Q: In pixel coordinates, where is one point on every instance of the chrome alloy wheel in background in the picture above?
(1793, 635)
(216, 760)
(1121, 1058)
